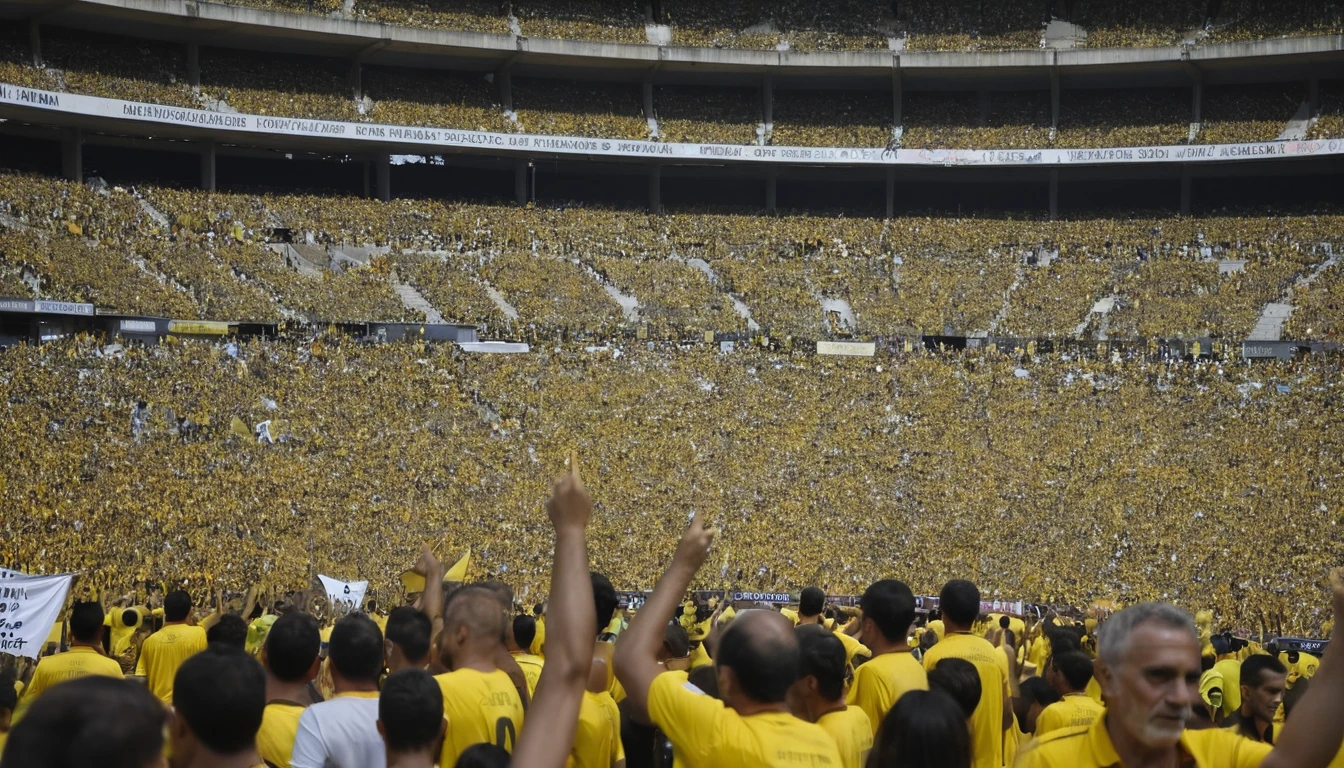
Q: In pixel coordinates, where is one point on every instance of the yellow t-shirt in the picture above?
(531, 666)
(480, 707)
(880, 682)
(1231, 670)
(163, 652)
(936, 626)
(987, 722)
(1040, 651)
(279, 727)
(704, 732)
(852, 647)
(121, 631)
(853, 734)
(1072, 711)
(597, 740)
(1088, 747)
(79, 661)
(538, 647)
(700, 657)
(1093, 691)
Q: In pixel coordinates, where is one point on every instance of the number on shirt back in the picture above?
(505, 735)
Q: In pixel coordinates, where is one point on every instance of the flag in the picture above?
(239, 428)
(349, 594)
(458, 570)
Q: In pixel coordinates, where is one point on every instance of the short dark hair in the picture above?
(409, 628)
(86, 621)
(811, 602)
(90, 720)
(292, 645)
(483, 755)
(9, 697)
(1254, 667)
(822, 655)
(524, 630)
(130, 617)
(477, 607)
(923, 728)
(959, 679)
(410, 707)
(765, 664)
(1035, 689)
(891, 606)
(1075, 667)
(604, 600)
(959, 601)
(676, 641)
(176, 606)
(230, 630)
(1005, 622)
(356, 648)
(221, 693)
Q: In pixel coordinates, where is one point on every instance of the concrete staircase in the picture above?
(412, 299)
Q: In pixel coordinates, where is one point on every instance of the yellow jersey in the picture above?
(1072, 711)
(531, 666)
(1092, 747)
(880, 682)
(597, 740)
(700, 657)
(852, 647)
(121, 632)
(279, 727)
(481, 707)
(163, 652)
(79, 661)
(987, 722)
(853, 734)
(705, 732)
(1231, 671)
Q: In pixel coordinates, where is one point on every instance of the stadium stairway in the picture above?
(1298, 125)
(742, 310)
(412, 299)
(1275, 315)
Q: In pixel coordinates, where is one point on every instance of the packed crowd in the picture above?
(191, 254)
(314, 87)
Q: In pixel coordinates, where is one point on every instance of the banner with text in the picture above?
(29, 607)
(407, 139)
(347, 595)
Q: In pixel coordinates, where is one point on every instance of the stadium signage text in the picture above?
(763, 597)
(430, 140)
(46, 307)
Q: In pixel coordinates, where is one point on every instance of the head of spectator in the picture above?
(91, 720)
(9, 699)
(706, 680)
(1036, 696)
(483, 756)
(1264, 680)
(923, 729)
(290, 654)
(473, 628)
(218, 699)
(407, 640)
(1069, 672)
(888, 608)
(524, 632)
(811, 604)
(176, 607)
(959, 601)
(604, 600)
(356, 654)
(675, 652)
(960, 680)
(410, 718)
(230, 630)
(757, 661)
(1148, 669)
(820, 686)
(86, 624)
(503, 595)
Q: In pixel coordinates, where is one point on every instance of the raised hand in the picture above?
(569, 506)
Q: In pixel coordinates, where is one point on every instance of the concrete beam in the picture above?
(1054, 98)
(383, 168)
(649, 112)
(768, 101)
(72, 155)
(520, 181)
(656, 189)
(504, 79)
(897, 100)
(208, 166)
(355, 79)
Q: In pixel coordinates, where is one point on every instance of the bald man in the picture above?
(480, 700)
(755, 661)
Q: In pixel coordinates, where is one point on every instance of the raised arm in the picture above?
(1311, 737)
(548, 734)
(636, 655)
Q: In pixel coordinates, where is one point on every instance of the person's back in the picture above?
(597, 739)
(524, 633)
(888, 611)
(289, 656)
(818, 694)
(479, 699)
(85, 656)
(343, 732)
(1069, 673)
(164, 651)
(960, 604)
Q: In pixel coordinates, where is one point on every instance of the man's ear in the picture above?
(1105, 678)
(314, 669)
(180, 737)
(381, 730)
(727, 682)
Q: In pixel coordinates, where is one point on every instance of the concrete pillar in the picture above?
(35, 42)
(1314, 93)
(897, 101)
(383, 170)
(505, 82)
(656, 9)
(520, 181)
(771, 190)
(1054, 194)
(356, 80)
(656, 189)
(72, 155)
(208, 166)
(649, 112)
(1198, 105)
(194, 65)
(891, 193)
(1054, 98)
(768, 101)
(1187, 186)
(368, 179)
(984, 107)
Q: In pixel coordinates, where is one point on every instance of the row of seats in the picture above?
(535, 270)
(314, 87)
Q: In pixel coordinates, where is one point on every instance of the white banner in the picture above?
(29, 607)
(407, 139)
(347, 595)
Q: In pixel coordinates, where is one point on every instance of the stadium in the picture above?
(1041, 295)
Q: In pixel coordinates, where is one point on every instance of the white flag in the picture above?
(349, 594)
(29, 607)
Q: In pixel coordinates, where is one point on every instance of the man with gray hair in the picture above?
(1148, 668)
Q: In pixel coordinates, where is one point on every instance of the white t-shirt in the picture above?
(340, 733)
